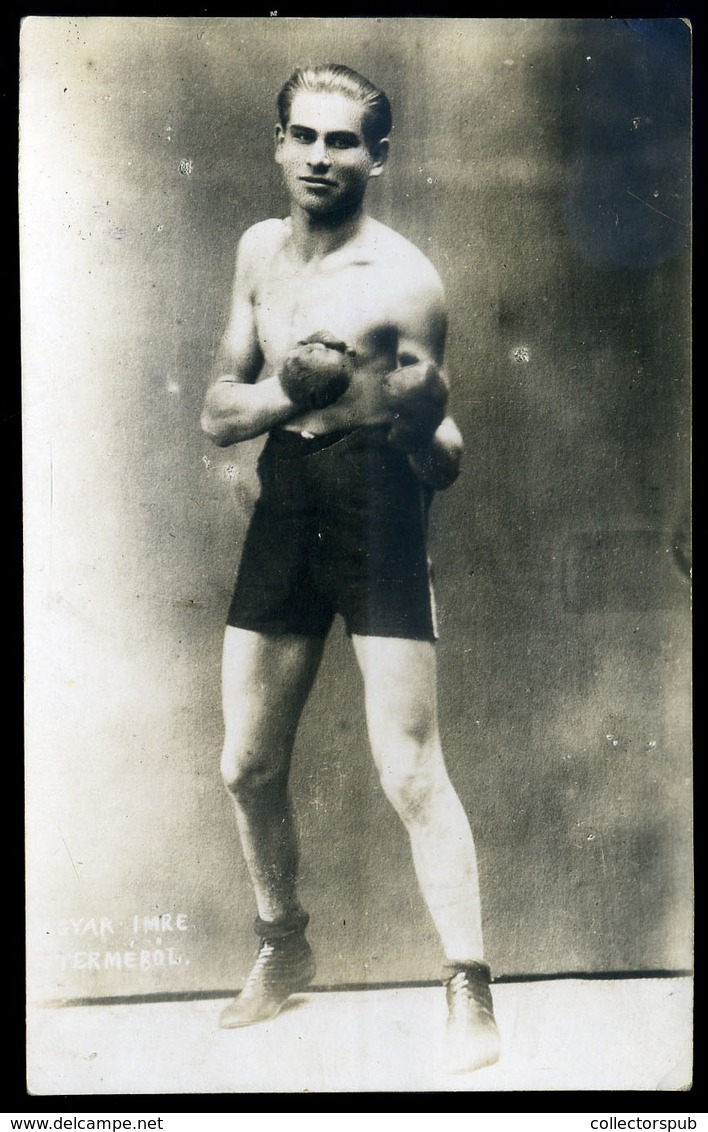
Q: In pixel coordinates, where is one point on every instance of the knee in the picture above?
(413, 793)
(410, 763)
(246, 776)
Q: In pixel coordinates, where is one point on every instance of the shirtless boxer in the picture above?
(334, 347)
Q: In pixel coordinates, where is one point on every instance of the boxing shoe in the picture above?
(471, 1036)
(285, 965)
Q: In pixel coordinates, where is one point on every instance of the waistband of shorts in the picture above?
(299, 444)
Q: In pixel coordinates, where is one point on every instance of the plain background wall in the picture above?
(543, 165)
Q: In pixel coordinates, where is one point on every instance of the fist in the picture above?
(317, 371)
(416, 397)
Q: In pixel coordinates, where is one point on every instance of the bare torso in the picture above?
(376, 292)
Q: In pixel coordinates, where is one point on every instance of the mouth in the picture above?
(322, 182)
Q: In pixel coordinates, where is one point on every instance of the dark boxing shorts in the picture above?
(340, 527)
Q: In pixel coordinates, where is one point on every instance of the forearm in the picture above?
(438, 463)
(234, 411)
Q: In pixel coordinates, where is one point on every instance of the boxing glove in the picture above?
(317, 371)
(416, 397)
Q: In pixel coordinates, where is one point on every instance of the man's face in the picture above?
(325, 161)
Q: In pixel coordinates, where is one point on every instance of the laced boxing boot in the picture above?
(284, 966)
(471, 1038)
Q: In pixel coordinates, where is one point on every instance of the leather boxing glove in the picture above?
(317, 371)
(416, 396)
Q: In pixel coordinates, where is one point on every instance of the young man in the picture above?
(334, 347)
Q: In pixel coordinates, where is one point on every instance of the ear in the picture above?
(380, 155)
(279, 139)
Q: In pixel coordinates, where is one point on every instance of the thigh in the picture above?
(400, 682)
(266, 680)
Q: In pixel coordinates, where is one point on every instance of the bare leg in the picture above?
(266, 682)
(401, 709)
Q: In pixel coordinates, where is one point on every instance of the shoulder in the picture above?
(261, 240)
(415, 290)
(412, 270)
(264, 232)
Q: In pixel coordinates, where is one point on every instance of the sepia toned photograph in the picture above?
(356, 429)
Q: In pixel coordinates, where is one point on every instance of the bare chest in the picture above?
(351, 301)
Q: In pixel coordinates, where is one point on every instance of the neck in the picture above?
(316, 236)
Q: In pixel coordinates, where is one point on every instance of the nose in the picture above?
(318, 154)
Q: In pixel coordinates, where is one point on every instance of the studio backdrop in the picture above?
(543, 166)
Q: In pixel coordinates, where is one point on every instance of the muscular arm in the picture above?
(234, 411)
(235, 408)
(422, 336)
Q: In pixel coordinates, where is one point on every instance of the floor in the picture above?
(564, 1034)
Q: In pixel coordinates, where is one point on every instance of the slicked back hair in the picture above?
(335, 78)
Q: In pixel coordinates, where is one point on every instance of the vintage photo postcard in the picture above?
(356, 418)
